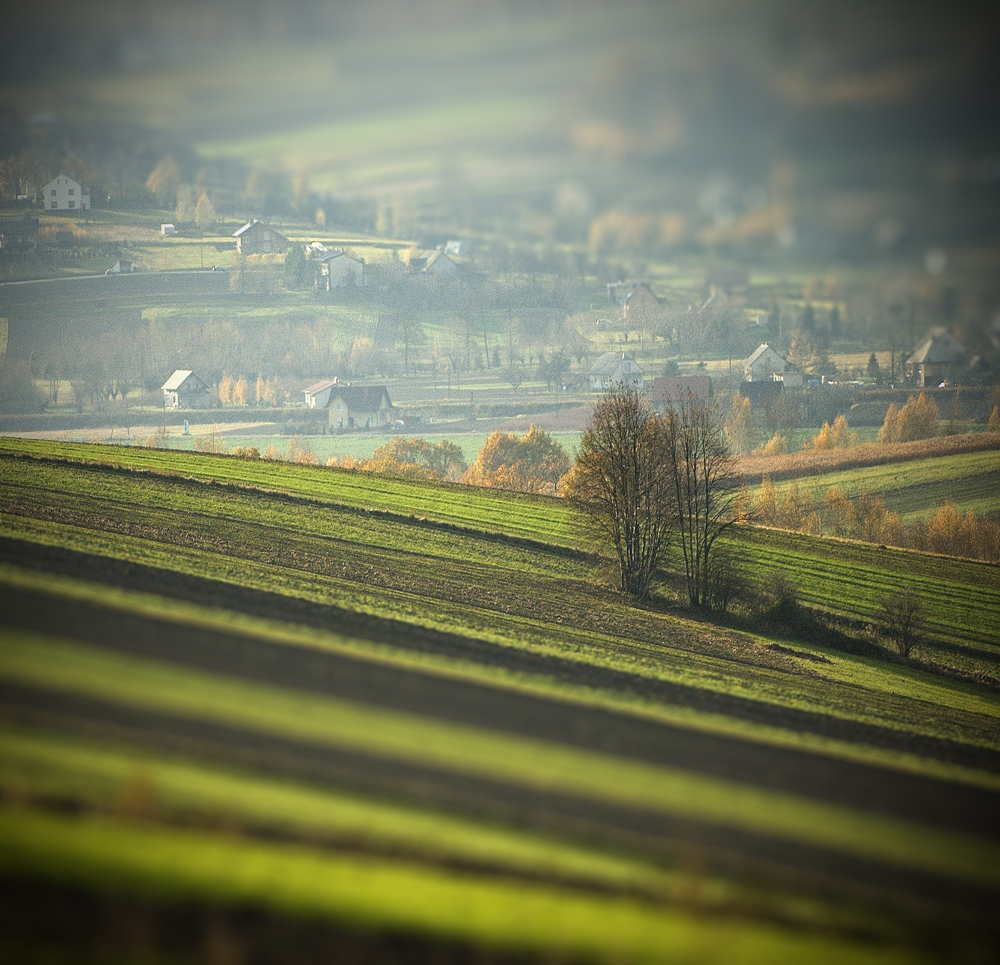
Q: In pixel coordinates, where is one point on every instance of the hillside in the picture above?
(413, 716)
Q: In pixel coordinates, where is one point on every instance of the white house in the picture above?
(615, 370)
(762, 365)
(63, 193)
(360, 406)
(318, 394)
(184, 390)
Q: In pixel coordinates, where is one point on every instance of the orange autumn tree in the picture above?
(532, 463)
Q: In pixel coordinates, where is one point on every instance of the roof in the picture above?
(245, 227)
(366, 398)
(432, 259)
(939, 346)
(178, 379)
(758, 352)
(336, 253)
(319, 386)
(610, 362)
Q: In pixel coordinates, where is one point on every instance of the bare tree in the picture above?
(622, 485)
(902, 620)
(704, 490)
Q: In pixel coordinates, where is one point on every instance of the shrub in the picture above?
(902, 622)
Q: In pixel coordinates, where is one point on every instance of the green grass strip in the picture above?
(147, 684)
(172, 865)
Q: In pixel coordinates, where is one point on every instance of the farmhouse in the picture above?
(257, 238)
(18, 234)
(360, 406)
(64, 193)
(615, 370)
(938, 358)
(337, 269)
(436, 263)
(318, 394)
(668, 389)
(184, 390)
(762, 365)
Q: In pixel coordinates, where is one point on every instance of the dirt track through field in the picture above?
(293, 610)
(464, 702)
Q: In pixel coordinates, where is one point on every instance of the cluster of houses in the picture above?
(349, 406)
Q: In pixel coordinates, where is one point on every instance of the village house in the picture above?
(938, 358)
(18, 234)
(615, 370)
(435, 262)
(360, 406)
(763, 364)
(318, 394)
(337, 269)
(257, 238)
(670, 389)
(184, 390)
(64, 193)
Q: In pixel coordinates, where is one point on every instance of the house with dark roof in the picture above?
(938, 358)
(257, 238)
(360, 406)
(184, 390)
(18, 234)
(435, 262)
(615, 370)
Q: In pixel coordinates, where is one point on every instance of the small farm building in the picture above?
(121, 267)
(762, 365)
(360, 406)
(615, 370)
(184, 390)
(318, 394)
(257, 238)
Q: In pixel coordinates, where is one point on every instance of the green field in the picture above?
(218, 675)
(918, 488)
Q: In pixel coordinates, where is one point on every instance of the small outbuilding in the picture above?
(360, 406)
(184, 390)
(615, 370)
(318, 394)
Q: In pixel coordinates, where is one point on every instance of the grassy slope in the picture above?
(522, 596)
(918, 488)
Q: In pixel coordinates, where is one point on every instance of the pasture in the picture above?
(382, 712)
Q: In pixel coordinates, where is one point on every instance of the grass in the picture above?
(917, 489)
(502, 575)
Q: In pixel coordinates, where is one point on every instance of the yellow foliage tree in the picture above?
(241, 392)
(737, 425)
(994, 423)
(532, 463)
(226, 389)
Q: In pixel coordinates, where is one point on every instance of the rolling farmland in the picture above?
(398, 715)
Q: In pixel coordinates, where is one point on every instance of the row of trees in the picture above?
(867, 518)
(646, 482)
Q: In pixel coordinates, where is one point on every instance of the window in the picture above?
(55, 204)
(72, 204)
(71, 190)
(52, 193)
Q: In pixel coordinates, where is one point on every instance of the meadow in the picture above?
(225, 682)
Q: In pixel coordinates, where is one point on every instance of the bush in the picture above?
(902, 621)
